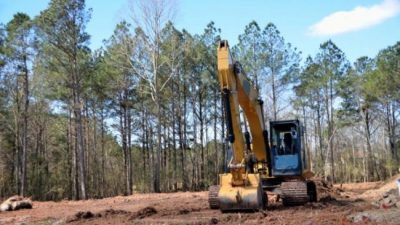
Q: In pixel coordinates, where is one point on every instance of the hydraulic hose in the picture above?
(228, 116)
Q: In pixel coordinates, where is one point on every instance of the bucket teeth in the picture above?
(228, 197)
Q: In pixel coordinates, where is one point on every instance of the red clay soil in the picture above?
(190, 208)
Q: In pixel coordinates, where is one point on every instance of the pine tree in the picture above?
(19, 49)
(62, 28)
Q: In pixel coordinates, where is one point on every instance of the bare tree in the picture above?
(150, 16)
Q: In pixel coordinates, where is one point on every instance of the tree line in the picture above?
(143, 113)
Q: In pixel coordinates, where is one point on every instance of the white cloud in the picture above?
(360, 17)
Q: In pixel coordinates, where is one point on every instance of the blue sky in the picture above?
(358, 27)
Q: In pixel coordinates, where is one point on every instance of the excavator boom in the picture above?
(241, 189)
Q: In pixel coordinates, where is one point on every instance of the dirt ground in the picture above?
(341, 204)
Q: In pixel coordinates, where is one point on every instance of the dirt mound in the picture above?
(113, 212)
(325, 190)
(389, 186)
(82, 215)
(188, 210)
(143, 213)
(359, 187)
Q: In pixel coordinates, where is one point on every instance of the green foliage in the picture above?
(64, 51)
(17, 46)
(116, 64)
(20, 21)
(268, 58)
(388, 77)
(282, 58)
(250, 53)
(352, 89)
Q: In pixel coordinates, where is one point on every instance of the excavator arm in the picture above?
(238, 91)
(241, 188)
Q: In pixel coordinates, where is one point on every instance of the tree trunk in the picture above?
(330, 130)
(74, 158)
(184, 152)
(96, 179)
(79, 143)
(71, 164)
(103, 160)
(320, 138)
(158, 158)
(123, 131)
(390, 126)
(174, 121)
(274, 100)
(17, 144)
(202, 166)
(216, 150)
(144, 143)
(194, 157)
(305, 139)
(370, 156)
(25, 128)
(129, 150)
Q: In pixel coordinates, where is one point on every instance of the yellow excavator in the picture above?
(257, 165)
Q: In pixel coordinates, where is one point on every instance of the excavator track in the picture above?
(294, 193)
(213, 200)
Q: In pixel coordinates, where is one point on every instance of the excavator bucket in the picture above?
(239, 198)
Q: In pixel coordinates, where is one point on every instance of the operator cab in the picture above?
(286, 148)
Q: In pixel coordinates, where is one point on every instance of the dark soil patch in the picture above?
(184, 211)
(113, 212)
(143, 213)
(80, 216)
